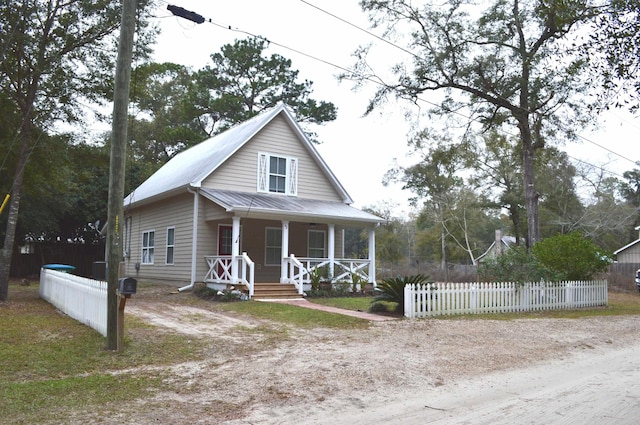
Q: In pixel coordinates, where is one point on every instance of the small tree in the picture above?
(571, 256)
(515, 265)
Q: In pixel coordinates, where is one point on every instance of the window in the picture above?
(273, 246)
(170, 244)
(316, 244)
(277, 174)
(148, 244)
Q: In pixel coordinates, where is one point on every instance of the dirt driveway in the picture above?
(401, 371)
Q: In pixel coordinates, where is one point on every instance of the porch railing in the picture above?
(298, 274)
(338, 270)
(221, 270)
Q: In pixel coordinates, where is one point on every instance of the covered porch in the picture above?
(296, 244)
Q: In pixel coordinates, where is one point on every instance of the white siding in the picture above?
(240, 172)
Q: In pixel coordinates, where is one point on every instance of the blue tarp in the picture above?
(60, 267)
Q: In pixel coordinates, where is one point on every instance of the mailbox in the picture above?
(127, 286)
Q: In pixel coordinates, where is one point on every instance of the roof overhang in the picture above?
(282, 207)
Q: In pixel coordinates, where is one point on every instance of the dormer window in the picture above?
(277, 174)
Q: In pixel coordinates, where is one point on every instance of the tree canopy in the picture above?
(243, 81)
(55, 54)
(497, 63)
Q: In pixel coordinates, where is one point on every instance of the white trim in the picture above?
(324, 243)
(172, 246)
(372, 255)
(148, 247)
(264, 174)
(626, 247)
(266, 263)
(284, 251)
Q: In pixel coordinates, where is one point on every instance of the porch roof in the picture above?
(279, 207)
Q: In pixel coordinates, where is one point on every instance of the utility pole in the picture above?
(117, 166)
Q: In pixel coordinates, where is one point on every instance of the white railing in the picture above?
(221, 270)
(82, 299)
(247, 272)
(298, 274)
(339, 270)
(344, 268)
(421, 300)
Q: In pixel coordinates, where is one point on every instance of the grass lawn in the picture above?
(52, 364)
(350, 303)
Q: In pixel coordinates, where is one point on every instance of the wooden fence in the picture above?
(83, 299)
(482, 297)
(81, 256)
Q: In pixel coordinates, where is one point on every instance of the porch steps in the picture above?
(263, 291)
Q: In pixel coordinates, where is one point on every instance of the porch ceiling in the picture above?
(281, 207)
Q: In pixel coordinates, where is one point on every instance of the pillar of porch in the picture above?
(235, 248)
(331, 252)
(372, 256)
(284, 273)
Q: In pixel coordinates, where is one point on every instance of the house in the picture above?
(498, 247)
(630, 253)
(253, 205)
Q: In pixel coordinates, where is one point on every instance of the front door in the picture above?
(225, 243)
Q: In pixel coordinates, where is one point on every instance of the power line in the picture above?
(431, 103)
(377, 81)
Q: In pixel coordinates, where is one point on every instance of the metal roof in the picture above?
(278, 207)
(190, 167)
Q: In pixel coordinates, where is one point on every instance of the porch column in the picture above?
(284, 272)
(235, 248)
(331, 252)
(372, 256)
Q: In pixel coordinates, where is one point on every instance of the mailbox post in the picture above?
(127, 286)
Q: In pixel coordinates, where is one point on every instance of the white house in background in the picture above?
(255, 204)
(629, 253)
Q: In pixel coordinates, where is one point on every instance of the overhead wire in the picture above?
(451, 111)
(378, 82)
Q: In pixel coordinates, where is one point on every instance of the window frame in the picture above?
(147, 247)
(170, 247)
(265, 174)
(267, 247)
(324, 243)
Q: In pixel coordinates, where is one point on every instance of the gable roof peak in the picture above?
(191, 166)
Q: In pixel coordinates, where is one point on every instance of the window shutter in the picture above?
(262, 172)
(293, 177)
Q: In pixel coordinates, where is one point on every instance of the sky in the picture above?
(319, 37)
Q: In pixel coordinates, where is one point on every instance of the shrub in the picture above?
(514, 265)
(571, 256)
(378, 307)
(392, 289)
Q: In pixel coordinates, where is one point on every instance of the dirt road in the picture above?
(590, 388)
(458, 371)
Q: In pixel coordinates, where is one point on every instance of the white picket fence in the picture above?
(421, 300)
(83, 299)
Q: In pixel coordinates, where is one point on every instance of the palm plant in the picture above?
(392, 289)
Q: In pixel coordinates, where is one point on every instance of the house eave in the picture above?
(626, 247)
(128, 203)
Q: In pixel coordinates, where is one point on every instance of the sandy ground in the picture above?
(456, 371)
